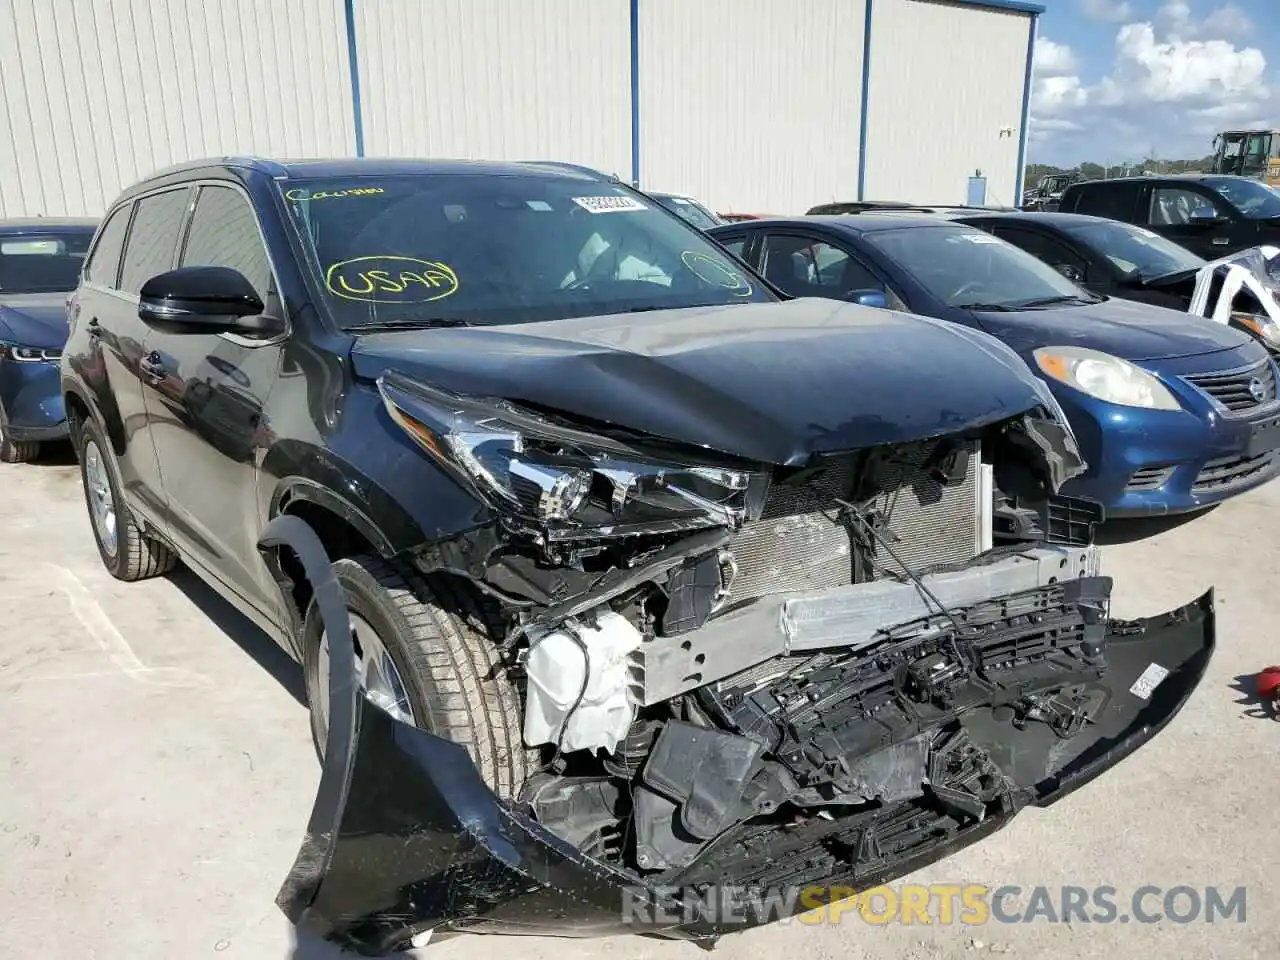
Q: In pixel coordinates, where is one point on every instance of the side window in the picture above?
(1058, 255)
(804, 267)
(153, 238)
(735, 245)
(1116, 201)
(224, 233)
(1177, 206)
(104, 263)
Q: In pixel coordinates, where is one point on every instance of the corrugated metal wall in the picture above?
(497, 79)
(751, 105)
(95, 94)
(945, 81)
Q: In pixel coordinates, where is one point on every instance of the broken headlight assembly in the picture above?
(574, 483)
(1262, 327)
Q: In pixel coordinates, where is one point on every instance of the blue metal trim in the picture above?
(1017, 6)
(635, 92)
(866, 84)
(353, 60)
(1019, 181)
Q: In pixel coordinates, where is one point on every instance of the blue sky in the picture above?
(1115, 79)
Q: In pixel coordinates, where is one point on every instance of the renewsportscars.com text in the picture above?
(939, 904)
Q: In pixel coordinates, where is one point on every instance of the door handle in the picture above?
(153, 367)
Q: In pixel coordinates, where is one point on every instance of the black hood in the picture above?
(34, 319)
(1123, 328)
(772, 382)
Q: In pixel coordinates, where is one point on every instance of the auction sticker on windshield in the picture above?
(609, 204)
(391, 279)
(980, 238)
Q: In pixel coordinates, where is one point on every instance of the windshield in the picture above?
(1253, 199)
(973, 270)
(1133, 250)
(690, 210)
(488, 249)
(44, 262)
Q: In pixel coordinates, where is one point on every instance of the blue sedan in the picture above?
(1172, 412)
(40, 262)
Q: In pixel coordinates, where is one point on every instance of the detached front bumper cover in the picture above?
(405, 837)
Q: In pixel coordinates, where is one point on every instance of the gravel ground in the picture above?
(156, 770)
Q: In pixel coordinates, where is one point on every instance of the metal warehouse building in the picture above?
(751, 105)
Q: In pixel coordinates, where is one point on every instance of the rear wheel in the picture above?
(426, 654)
(125, 552)
(15, 451)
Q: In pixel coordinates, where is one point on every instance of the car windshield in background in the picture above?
(691, 210)
(488, 249)
(972, 270)
(45, 262)
(1255, 200)
(1137, 252)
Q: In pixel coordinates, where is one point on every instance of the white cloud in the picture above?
(1056, 95)
(1108, 11)
(1168, 88)
(1054, 59)
(1228, 21)
(1176, 18)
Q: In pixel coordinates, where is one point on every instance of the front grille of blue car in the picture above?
(1235, 389)
(1225, 472)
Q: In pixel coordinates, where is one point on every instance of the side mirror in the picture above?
(204, 300)
(1072, 273)
(869, 298)
(1207, 218)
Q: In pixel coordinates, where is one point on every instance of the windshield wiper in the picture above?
(989, 307)
(1050, 301)
(413, 323)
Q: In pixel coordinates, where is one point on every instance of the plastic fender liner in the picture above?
(405, 837)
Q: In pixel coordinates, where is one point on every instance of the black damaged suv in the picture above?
(655, 579)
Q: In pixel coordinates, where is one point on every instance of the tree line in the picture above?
(1099, 171)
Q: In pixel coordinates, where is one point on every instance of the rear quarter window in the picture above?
(104, 262)
(1115, 201)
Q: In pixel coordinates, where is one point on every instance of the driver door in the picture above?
(1192, 218)
(804, 265)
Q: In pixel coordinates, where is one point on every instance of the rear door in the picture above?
(109, 307)
(206, 411)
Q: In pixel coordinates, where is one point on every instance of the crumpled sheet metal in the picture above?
(1250, 269)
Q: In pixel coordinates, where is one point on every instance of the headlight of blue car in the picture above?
(1104, 377)
(21, 354)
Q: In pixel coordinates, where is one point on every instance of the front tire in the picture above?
(15, 451)
(125, 551)
(429, 658)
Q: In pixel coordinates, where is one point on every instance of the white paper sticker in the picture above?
(680, 200)
(538, 205)
(1146, 684)
(980, 238)
(613, 204)
(1147, 233)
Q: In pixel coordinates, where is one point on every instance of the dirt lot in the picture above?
(156, 770)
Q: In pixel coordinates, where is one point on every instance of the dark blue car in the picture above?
(1173, 412)
(40, 261)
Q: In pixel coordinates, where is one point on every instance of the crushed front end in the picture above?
(827, 675)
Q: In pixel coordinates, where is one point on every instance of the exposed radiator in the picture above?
(799, 544)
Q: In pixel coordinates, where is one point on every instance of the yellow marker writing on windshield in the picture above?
(391, 279)
(299, 193)
(716, 273)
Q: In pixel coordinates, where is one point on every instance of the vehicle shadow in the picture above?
(1255, 707)
(244, 632)
(56, 453)
(1131, 530)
